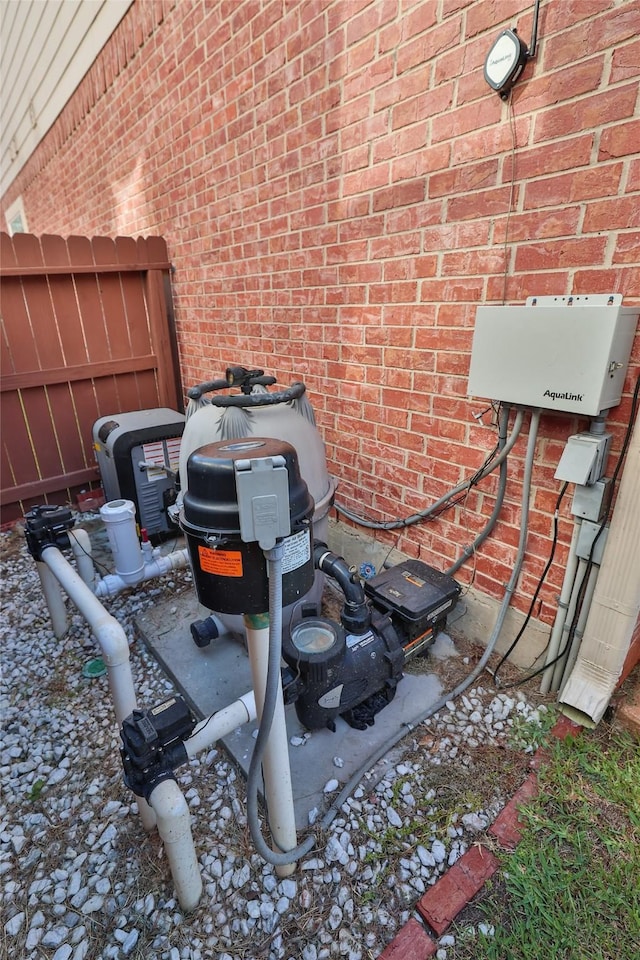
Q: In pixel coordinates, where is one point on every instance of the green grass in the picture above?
(571, 889)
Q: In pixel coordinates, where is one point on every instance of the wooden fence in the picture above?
(87, 331)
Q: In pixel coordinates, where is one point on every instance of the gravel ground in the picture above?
(80, 880)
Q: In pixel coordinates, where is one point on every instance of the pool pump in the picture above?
(349, 668)
(352, 668)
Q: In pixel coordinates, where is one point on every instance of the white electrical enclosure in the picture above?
(559, 353)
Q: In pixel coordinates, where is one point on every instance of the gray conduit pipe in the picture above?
(564, 601)
(568, 661)
(502, 486)
(112, 641)
(271, 698)
(558, 667)
(524, 524)
(425, 514)
(382, 751)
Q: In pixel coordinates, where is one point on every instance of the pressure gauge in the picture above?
(505, 62)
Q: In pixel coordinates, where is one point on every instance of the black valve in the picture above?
(246, 379)
(47, 526)
(153, 744)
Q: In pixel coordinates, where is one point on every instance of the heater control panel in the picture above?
(560, 353)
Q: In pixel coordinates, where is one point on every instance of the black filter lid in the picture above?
(211, 503)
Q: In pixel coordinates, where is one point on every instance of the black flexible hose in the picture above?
(429, 511)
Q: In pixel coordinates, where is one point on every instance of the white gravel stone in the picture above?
(129, 944)
(394, 819)
(438, 851)
(63, 952)
(54, 937)
(92, 904)
(77, 859)
(13, 926)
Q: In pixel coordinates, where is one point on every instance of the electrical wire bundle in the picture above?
(582, 589)
(459, 493)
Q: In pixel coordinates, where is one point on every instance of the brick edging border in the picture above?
(442, 903)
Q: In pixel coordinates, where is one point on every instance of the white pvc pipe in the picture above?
(220, 724)
(111, 639)
(54, 599)
(174, 827)
(275, 765)
(113, 583)
(81, 547)
(119, 517)
(563, 606)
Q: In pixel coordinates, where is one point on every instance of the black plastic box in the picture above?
(420, 595)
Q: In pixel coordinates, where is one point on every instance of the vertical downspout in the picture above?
(615, 606)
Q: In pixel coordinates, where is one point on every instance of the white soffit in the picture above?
(46, 48)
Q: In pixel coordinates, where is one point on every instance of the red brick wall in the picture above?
(339, 190)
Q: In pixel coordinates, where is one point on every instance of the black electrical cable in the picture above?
(543, 576)
(572, 628)
(585, 579)
(98, 567)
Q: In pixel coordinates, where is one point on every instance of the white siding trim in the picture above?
(48, 47)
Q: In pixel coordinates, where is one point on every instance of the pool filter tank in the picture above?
(230, 574)
(216, 415)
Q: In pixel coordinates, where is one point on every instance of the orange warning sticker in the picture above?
(224, 563)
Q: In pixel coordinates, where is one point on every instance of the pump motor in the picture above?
(352, 668)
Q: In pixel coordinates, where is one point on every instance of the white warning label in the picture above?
(297, 551)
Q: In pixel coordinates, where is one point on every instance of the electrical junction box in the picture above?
(560, 353)
(584, 458)
(138, 455)
(591, 502)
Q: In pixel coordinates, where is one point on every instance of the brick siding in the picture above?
(334, 182)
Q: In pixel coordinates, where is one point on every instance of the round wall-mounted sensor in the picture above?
(505, 62)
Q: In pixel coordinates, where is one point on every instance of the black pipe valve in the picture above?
(153, 744)
(47, 526)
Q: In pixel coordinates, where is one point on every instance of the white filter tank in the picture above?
(265, 415)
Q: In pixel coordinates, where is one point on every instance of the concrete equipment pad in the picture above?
(212, 677)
